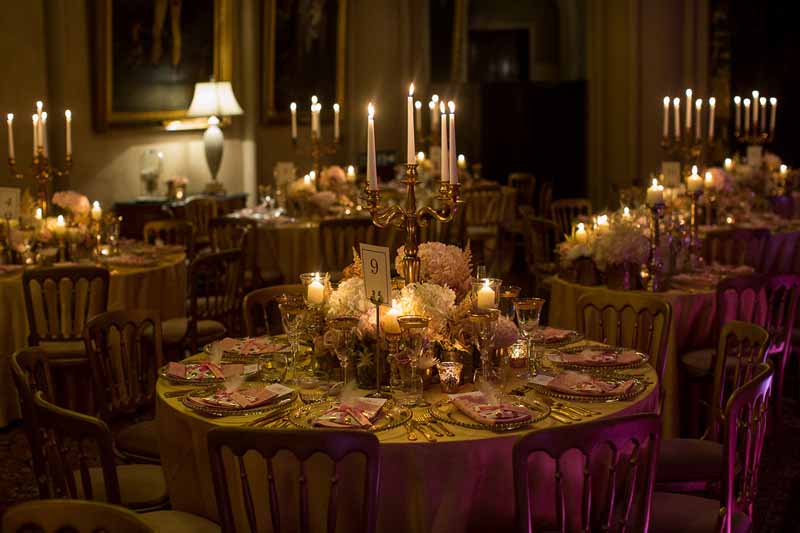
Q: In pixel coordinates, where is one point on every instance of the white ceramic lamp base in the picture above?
(213, 140)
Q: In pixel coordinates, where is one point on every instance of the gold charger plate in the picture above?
(603, 367)
(445, 411)
(283, 404)
(391, 416)
(638, 387)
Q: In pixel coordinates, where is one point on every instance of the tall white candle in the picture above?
(372, 173)
(712, 105)
(755, 111)
(676, 105)
(314, 117)
(68, 117)
(39, 109)
(763, 102)
(336, 132)
(774, 102)
(666, 117)
(45, 146)
(417, 116)
(737, 123)
(698, 105)
(445, 159)
(10, 122)
(434, 114)
(688, 111)
(746, 116)
(293, 109)
(411, 152)
(35, 119)
(451, 152)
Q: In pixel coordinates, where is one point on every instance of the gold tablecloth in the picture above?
(457, 484)
(162, 287)
(693, 318)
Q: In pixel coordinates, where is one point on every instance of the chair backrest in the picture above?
(566, 210)
(745, 428)
(525, 184)
(60, 300)
(215, 290)
(338, 236)
(125, 353)
(65, 468)
(596, 476)
(483, 205)
(545, 199)
(340, 447)
(783, 296)
(736, 246)
(62, 516)
(31, 373)
(261, 309)
(742, 298)
(228, 233)
(742, 347)
(200, 211)
(541, 235)
(634, 320)
(171, 231)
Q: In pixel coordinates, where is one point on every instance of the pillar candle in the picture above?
(485, 296)
(445, 159)
(372, 174)
(336, 132)
(411, 152)
(755, 111)
(774, 102)
(35, 133)
(698, 105)
(712, 105)
(694, 183)
(709, 182)
(746, 116)
(666, 117)
(43, 123)
(581, 236)
(316, 291)
(728, 164)
(389, 322)
(737, 123)
(293, 109)
(10, 122)
(763, 102)
(68, 117)
(452, 150)
(676, 105)
(655, 194)
(417, 116)
(97, 211)
(688, 110)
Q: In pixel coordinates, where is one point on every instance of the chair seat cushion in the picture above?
(174, 330)
(681, 513)
(139, 439)
(178, 522)
(141, 486)
(685, 460)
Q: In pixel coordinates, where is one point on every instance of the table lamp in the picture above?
(214, 99)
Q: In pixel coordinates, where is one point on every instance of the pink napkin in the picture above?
(555, 334)
(600, 356)
(246, 397)
(177, 370)
(477, 407)
(579, 383)
(357, 413)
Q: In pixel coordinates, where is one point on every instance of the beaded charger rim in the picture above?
(639, 386)
(391, 416)
(602, 367)
(572, 338)
(162, 373)
(539, 411)
(284, 404)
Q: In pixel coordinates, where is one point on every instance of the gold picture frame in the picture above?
(107, 111)
(273, 109)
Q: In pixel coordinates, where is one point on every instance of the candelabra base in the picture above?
(214, 187)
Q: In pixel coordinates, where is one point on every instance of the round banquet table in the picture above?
(457, 484)
(160, 287)
(693, 317)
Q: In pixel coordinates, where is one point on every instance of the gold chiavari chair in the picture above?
(566, 210)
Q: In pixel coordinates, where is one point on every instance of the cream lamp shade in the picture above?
(214, 98)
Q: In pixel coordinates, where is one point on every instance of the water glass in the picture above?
(507, 297)
(273, 367)
(292, 318)
(528, 312)
(343, 334)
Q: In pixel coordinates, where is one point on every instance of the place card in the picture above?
(755, 155)
(9, 202)
(377, 272)
(671, 171)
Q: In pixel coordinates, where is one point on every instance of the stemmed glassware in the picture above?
(292, 315)
(529, 311)
(413, 333)
(507, 297)
(343, 330)
(485, 330)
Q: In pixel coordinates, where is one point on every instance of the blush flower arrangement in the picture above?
(621, 243)
(442, 264)
(74, 202)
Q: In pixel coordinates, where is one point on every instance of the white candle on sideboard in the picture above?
(698, 105)
(676, 105)
(445, 159)
(763, 102)
(452, 149)
(418, 115)
(45, 146)
(68, 117)
(336, 132)
(746, 116)
(10, 122)
(35, 119)
(411, 152)
(737, 123)
(774, 102)
(755, 111)
(293, 109)
(486, 296)
(712, 105)
(688, 111)
(372, 174)
(666, 117)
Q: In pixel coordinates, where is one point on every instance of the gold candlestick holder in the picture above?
(410, 218)
(42, 171)
(318, 150)
(688, 149)
(695, 253)
(754, 137)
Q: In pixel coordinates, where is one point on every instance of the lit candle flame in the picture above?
(737, 100)
(694, 170)
(666, 101)
(10, 117)
(336, 107)
(773, 101)
(442, 108)
(68, 115)
(762, 101)
(676, 101)
(699, 103)
(411, 90)
(452, 105)
(314, 100)
(435, 98)
(418, 104)
(431, 105)
(688, 93)
(370, 111)
(712, 101)
(293, 106)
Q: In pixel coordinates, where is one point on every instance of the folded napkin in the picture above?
(599, 356)
(208, 370)
(554, 334)
(476, 406)
(245, 397)
(584, 384)
(357, 413)
(249, 345)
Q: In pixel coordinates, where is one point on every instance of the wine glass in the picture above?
(272, 366)
(292, 315)
(507, 297)
(343, 333)
(415, 341)
(484, 330)
(529, 311)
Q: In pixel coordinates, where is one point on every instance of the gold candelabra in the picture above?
(42, 172)
(754, 137)
(695, 253)
(318, 150)
(410, 218)
(654, 265)
(688, 149)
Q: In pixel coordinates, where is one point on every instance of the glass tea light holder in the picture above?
(315, 288)
(518, 354)
(486, 294)
(449, 375)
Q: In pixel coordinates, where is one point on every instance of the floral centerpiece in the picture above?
(73, 203)
(335, 193)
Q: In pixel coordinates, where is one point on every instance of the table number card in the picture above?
(671, 170)
(9, 202)
(377, 271)
(754, 156)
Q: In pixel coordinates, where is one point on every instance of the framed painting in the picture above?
(304, 54)
(148, 54)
